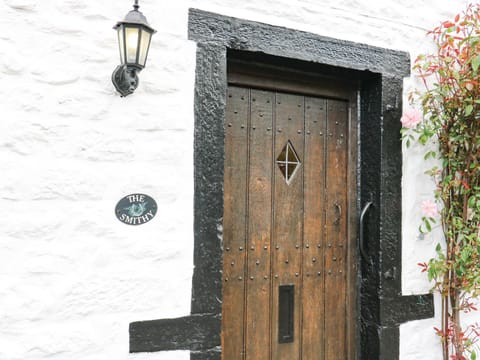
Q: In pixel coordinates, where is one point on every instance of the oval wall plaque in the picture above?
(136, 209)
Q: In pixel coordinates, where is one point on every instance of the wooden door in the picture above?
(289, 250)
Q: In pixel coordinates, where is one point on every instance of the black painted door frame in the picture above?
(380, 73)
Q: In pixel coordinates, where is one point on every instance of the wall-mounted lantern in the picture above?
(134, 35)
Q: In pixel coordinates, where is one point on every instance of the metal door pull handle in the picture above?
(361, 244)
(339, 213)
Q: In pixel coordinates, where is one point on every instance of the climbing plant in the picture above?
(446, 117)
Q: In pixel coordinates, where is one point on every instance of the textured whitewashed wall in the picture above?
(72, 276)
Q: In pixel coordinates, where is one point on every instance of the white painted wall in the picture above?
(72, 277)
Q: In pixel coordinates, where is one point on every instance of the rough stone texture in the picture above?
(245, 35)
(196, 332)
(209, 154)
(72, 277)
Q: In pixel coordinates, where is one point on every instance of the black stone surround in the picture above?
(379, 73)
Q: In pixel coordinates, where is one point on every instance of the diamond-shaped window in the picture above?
(288, 162)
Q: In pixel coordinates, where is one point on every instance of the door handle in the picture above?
(339, 213)
(361, 244)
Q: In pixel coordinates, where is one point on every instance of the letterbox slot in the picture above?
(286, 296)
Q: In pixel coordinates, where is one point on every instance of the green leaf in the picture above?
(475, 63)
(423, 139)
(427, 225)
(471, 202)
(468, 110)
(430, 154)
(473, 356)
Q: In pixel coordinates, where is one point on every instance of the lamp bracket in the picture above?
(125, 79)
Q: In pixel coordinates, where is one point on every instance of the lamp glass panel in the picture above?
(131, 39)
(144, 45)
(121, 44)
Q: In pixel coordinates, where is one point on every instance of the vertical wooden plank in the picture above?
(314, 220)
(259, 228)
(352, 194)
(234, 235)
(288, 220)
(336, 230)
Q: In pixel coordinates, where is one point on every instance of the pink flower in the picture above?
(429, 208)
(411, 118)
